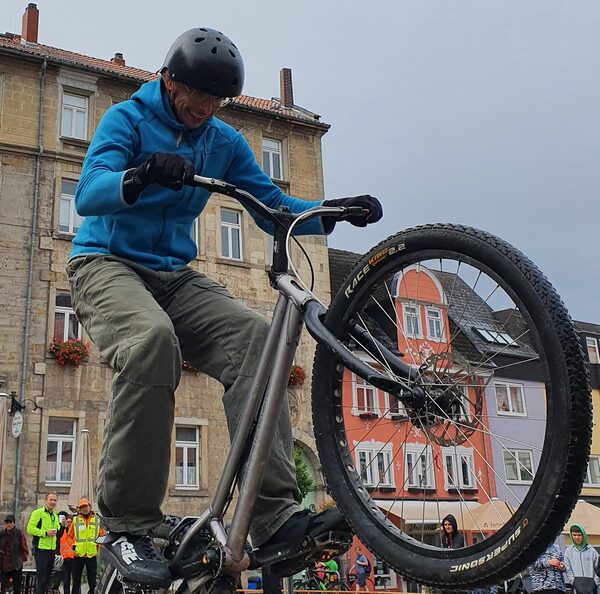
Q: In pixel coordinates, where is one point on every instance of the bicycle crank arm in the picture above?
(313, 312)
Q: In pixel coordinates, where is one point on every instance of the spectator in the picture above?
(580, 562)
(83, 533)
(451, 538)
(362, 568)
(43, 526)
(65, 550)
(13, 553)
(546, 572)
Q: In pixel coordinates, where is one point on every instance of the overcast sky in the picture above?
(477, 112)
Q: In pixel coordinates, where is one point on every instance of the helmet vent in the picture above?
(213, 50)
(203, 29)
(199, 39)
(234, 45)
(218, 38)
(232, 54)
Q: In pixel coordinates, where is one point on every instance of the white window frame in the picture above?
(75, 220)
(268, 157)
(195, 232)
(60, 440)
(440, 323)
(456, 456)
(68, 313)
(186, 446)
(416, 315)
(227, 229)
(466, 416)
(592, 349)
(592, 473)
(416, 452)
(401, 408)
(510, 412)
(74, 109)
(372, 452)
(515, 454)
(358, 383)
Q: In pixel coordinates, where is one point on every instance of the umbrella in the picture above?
(489, 516)
(82, 484)
(587, 515)
(3, 453)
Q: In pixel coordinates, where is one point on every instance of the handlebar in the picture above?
(246, 199)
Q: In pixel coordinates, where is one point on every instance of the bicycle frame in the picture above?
(246, 460)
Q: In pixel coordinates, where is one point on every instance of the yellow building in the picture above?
(590, 337)
(51, 101)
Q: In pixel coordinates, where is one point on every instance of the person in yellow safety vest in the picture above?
(84, 531)
(66, 550)
(43, 526)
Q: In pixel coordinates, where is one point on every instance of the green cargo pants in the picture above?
(143, 322)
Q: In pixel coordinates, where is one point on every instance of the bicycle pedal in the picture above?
(133, 587)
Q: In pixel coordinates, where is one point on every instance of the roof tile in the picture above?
(273, 106)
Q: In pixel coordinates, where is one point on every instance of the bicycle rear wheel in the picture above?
(500, 434)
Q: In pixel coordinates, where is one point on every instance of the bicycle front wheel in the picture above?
(498, 432)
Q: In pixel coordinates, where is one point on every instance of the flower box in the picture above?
(297, 376)
(69, 352)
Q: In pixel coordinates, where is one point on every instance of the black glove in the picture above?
(165, 169)
(372, 213)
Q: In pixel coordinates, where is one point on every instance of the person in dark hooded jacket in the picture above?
(451, 538)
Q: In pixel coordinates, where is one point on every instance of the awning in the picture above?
(587, 515)
(427, 512)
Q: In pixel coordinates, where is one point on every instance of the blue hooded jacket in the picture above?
(155, 230)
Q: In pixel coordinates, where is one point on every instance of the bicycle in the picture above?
(314, 578)
(433, 395)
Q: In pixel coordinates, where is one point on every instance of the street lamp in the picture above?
(16, 411)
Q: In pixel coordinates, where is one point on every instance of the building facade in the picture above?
(51, 101)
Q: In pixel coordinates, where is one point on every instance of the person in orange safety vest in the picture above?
(65, 549)
(84, 531)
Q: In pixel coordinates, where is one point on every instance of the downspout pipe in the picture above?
(28, 299)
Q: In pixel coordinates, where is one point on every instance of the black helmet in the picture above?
(206, 60)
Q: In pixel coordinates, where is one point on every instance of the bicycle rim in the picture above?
(501, 437)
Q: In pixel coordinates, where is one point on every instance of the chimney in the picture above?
(118, 60)
(31, 19)
(286, 90)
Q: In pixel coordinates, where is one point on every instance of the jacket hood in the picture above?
(450, 518)
(584, 542)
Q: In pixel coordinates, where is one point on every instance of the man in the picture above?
(65, 549)
(13, 553)
(43, 526)
(546, 572)
(581, 560)
(145, 309)
(362, 569)
(83, 533)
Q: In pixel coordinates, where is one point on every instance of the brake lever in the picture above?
(352, 211)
